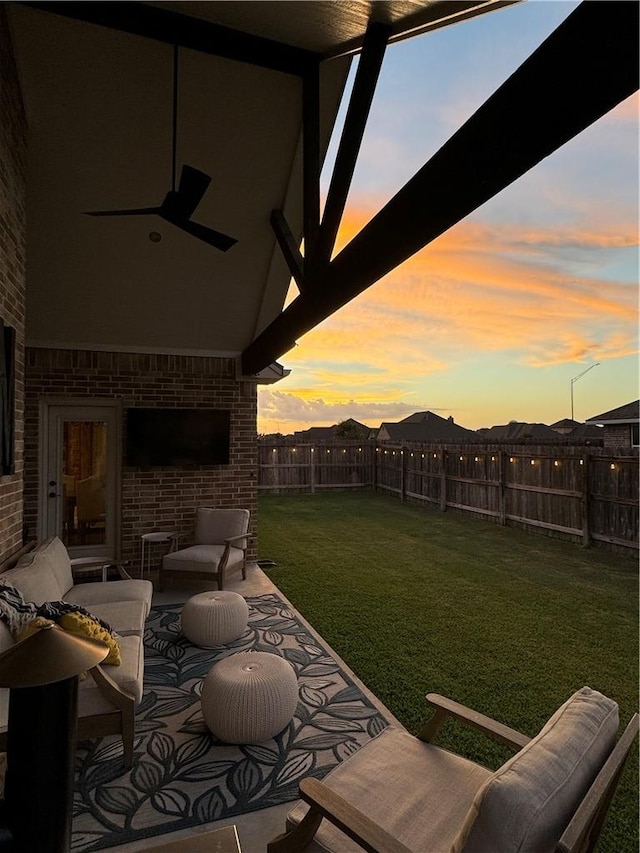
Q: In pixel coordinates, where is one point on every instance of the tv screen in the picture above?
(178, 437)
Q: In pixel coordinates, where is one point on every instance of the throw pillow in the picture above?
(54, 610)
(84, 626)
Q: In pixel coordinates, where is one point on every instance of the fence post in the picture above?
(403, 473)
(312, 471)
(443, 480)
(374, 467)
(503, 487)
(586, 532)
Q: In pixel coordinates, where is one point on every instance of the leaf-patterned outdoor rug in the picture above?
(182, 775)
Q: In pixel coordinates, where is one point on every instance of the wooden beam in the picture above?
(289, 247)
(369, 65)
(587, 66)
(173, 28)
(311, 169)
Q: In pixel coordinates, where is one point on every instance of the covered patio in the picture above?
(159, 175)
(255, 828)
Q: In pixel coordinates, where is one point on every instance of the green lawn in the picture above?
(420, 601)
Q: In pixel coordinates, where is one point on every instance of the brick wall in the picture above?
(617, 437)
(13, 155)
(152, 498)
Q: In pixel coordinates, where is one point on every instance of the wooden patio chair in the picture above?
(221, 540)
(403, 794)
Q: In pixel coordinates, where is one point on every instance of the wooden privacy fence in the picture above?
(581, 492)
(311, 468)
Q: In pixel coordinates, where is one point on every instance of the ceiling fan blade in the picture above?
(193, 185)
(214, 238)
(138, 211)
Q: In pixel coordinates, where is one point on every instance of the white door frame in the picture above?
(112, 413)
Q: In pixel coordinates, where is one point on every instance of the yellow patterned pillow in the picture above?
(84, 626)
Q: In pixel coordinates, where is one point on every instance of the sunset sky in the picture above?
(490, 322)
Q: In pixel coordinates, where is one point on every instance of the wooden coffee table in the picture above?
(223, 840)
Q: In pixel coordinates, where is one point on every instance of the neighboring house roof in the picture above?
(424, 426)
(577, 431)
(329, 433)
(586, 432)
(315, 434)
(565, 423)
(517, 431)
(629, 413)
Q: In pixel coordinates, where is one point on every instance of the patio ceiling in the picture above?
(97, 83)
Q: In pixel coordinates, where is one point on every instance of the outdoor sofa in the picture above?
(108, 695)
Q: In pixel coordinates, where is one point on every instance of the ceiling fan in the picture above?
(179, 205)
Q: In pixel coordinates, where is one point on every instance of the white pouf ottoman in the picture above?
(249, 697)
(212, 618)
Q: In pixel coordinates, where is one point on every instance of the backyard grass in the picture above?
(419, 601)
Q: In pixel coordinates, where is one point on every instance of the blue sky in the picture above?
(491, 321)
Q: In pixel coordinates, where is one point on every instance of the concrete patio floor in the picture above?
(257, 828)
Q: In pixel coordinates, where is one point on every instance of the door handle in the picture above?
(54, 495)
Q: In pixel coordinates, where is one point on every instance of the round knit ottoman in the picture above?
(212, 618)
(249, 697)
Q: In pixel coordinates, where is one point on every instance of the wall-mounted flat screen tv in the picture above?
(177, 437)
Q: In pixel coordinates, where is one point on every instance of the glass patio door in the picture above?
(79, 496)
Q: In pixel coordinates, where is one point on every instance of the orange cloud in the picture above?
(477, 291)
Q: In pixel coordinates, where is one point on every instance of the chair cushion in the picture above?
(526, 805)
(200, 558)
(418, 792)
(213, 526)
(43, 574)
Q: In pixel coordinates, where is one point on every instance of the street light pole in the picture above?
(575, 379)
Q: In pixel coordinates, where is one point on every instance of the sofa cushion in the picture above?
(50, 560)
(432, 791)
(125, 617)
(526, 805)
(128, 676)
(43, 574)
(213, 526)
(201, 558)
(104, 592)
